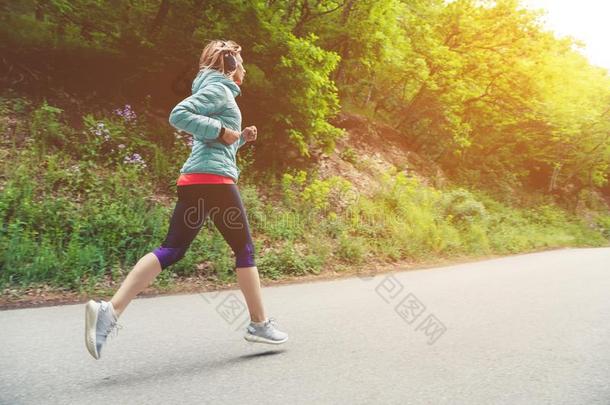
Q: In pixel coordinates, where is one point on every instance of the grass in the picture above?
(76, 215)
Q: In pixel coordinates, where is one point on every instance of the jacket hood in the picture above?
(207, 76)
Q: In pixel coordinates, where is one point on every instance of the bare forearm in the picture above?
(229, 133)
(229, 136)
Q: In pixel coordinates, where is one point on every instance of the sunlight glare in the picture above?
(585, 20)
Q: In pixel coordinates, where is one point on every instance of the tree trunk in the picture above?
(289, 11)
(159, 20)
(343, 49)
(39, 13)
(370, 92)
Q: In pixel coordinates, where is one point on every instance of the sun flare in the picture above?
(585, 20)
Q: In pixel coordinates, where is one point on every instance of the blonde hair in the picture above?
(212, 55)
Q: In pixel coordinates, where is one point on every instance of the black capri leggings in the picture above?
(197, 202)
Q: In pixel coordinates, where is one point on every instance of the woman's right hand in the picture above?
(250, 133)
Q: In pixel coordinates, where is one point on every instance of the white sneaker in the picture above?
(267, 333)
(100, 321)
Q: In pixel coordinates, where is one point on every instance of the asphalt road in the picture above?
(524, 329)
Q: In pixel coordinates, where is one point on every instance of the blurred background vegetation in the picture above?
(517, 121)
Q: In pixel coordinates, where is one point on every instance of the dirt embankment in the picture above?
(371, 148)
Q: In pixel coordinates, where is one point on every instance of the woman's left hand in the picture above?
(250, 133)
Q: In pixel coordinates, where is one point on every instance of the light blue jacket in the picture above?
(211, 106)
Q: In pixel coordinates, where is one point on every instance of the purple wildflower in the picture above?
(135, 158)
(101, 130)
(126, 112)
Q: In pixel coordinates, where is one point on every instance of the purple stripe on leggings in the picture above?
(168, 256)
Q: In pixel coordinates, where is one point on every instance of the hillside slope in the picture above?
(372, 148)
(74, 225)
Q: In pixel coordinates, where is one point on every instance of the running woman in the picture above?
(206, 188)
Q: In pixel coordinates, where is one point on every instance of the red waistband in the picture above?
(203, 178)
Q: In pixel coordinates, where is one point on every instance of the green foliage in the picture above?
(478, 86)
(603, 225)
(349, 155)
(59, 232)
(46, 129)
(317, 195)
(352, 249)
(74, 224)
(292, 185)
(460, 206)
(287, 260)
(73, 215)
(311, 97)
(405, 219)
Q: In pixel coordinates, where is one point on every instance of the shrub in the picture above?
(349, 155)
(46, 128)
(462, 208)
(352, 249)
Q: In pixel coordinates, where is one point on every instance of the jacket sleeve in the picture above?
(195, 113)
(241, 140)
